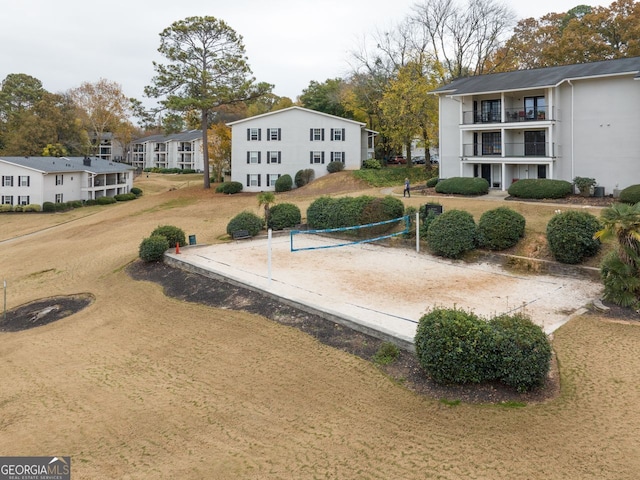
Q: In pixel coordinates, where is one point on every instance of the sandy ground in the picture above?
(387, 288)
(139, 385)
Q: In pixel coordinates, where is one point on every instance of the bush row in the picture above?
(328, 212)
(152, 248)
(32, 207)
(169, 170)
(455, 346)
(538, 188)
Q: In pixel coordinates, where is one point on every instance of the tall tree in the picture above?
(206, 68)
(326, 97)
(219, 138)
(102, 108)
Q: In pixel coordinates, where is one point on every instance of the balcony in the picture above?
(511, 115)
(511, 150)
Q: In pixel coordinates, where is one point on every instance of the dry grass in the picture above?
(139, 385)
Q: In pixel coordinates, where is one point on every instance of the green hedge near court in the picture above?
(329, 212)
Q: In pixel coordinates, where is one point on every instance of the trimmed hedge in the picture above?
(284, 215)
(328, 212)
(229, 187)
(452, 234)
(570, 236)
(284, 183)
(248, 221)
(455, 346)
(538, 188)
(303, 177)
(463, 186)
(371, 164)
(333, 167)
(631, 194)
(173, 235)
(152, 249)
(432, 182)
(500, 228)
(136, 191)
(105, 201)
(125, 197)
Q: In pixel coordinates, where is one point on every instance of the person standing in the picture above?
(407, 188)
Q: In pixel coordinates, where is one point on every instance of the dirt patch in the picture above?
(191, 287)
(44, 311)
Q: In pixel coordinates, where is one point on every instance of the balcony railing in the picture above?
(522, 149)
(510, 115)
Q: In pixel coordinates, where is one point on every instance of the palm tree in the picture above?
(267, 199)
(620, 270)
(622, 221)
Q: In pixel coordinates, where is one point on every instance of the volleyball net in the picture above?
(343, 236)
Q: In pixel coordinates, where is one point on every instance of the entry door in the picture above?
(486, 172)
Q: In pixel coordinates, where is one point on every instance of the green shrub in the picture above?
(432, 182)
(90, 203)
(427, 216)
(48, 207)
(500, 228)
(452, 234)
(522, 352)
(105, 200)
(538, 188)
(229, 187)
(381, 209)
(570, 236)
(62, 207)
(304, 177)
(454, 346)
(17, 208)
(463, 186)
(371, 164)
(284, 215)
(386, 354)
(6, 208)
(321, 213)
(248, 221)
(152, 249)
(136, 191)
(32, 207)
(621, 281)
(125, 197)
(173, 235)
(631, 194)
(284, 183)
(333, 167)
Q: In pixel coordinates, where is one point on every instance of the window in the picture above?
(273, 134)
(337, 134)
(7, 199)
(535, 144)
(59, 179)
(491, 143)
(253, 134)
(253, 180)
(7, 181)
(316, 157)
(23, 181)
(337, 157)
(316, 134)
(253, 157)
(535, 108)
(274, 157)
(59, 198)
(272, 178)
(23, 200)
(490, 111)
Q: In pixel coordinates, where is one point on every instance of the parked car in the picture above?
(398, 159)
(419, 160)
(434, 159)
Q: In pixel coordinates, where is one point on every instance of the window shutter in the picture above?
(343, 136)
(322, 156)
(248, 180)
(248, 134)
(248, 157)
(311, 134)
(259, 156)
(331, 137)
(344, 159)
(259, 134)
(268, 134)
(332, 156)
(279, 157)
(259, 179)
(322, 137)
(279, 134)
(311, 158)
(28, 182)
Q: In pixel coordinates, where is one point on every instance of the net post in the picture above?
(417, 232)
(269, 255)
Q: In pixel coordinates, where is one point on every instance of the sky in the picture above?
(288, 43)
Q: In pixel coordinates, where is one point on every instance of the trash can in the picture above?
(192, 239)
(598, 192)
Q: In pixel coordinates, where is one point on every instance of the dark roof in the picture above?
(186, 136)
(68, 164)
(540, 77)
